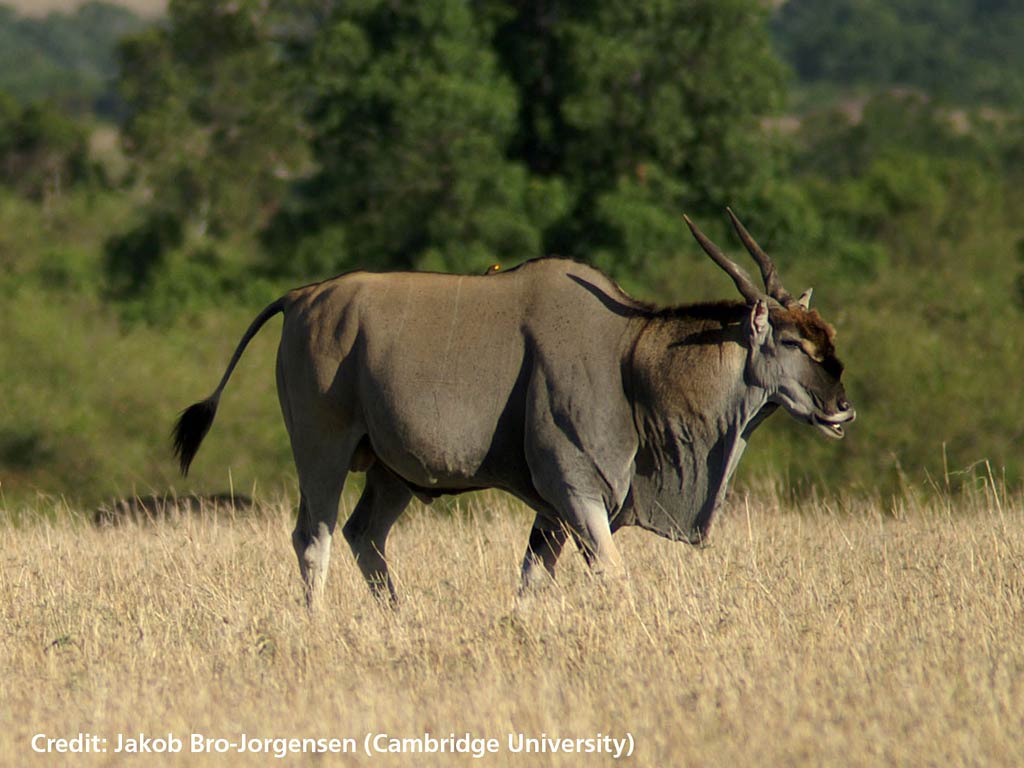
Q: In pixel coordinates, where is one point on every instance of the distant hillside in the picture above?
(148, 8)
(65, 57)
(962, 51)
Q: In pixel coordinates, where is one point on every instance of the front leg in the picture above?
(591, 528)
(541, 555)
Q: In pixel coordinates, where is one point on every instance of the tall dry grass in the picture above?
(819, 635)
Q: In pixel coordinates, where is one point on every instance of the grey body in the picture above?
(546, 381)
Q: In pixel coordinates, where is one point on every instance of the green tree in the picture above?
(450, 134)
(411, 118)
(213, 117)
(645, 110)
(43, 152)
(214, 129)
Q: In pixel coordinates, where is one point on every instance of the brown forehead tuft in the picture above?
(810, 325)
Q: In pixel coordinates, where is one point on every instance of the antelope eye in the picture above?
(792, 344)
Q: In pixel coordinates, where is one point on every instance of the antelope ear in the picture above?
(759, 324)
(805, 298)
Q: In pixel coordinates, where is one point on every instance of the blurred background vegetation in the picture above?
(162, 176)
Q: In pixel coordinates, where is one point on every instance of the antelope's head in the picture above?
(790, 354)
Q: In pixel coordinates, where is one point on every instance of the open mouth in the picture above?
(833, 427)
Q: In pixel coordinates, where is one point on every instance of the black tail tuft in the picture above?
(191, 428)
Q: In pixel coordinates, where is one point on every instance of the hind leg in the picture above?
(314, 528)
(322, 466)
(323, 439)
(382, 503)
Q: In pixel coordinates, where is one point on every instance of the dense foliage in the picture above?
(42, 151)
(968, 51)
(260, 143)
(449, 135)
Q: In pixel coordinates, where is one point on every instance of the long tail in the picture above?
(195, 421)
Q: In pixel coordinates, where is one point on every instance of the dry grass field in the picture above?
(834, 634)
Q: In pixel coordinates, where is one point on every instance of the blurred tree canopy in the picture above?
(640, 112)
(410, 119)
(449, 135)
(43, 152)
(213, 114)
